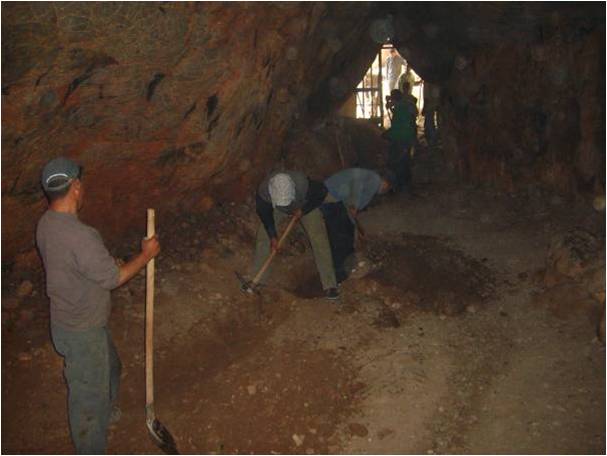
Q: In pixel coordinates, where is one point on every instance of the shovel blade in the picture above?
(162, 437)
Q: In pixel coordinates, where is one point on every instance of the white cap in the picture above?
(282, 189)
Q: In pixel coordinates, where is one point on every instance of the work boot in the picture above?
(332, 294)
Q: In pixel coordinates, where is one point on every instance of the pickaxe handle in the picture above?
(266, 263)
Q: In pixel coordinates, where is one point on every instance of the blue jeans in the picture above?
(92, 371)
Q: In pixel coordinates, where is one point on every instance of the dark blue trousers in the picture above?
(340, 230)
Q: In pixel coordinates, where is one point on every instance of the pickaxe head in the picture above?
(247, 286)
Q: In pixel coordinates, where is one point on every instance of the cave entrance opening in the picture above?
(369, 93)
(397, 71)
(388, 71)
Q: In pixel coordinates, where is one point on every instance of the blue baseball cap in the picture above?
(58, 173)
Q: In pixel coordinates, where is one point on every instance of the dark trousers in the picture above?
(399, 162)
(429, 127)
(92, 371)
(340, 230)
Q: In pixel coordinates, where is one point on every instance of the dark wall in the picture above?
(178, 105)
(523, 88)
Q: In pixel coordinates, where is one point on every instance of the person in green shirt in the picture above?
(402, 135)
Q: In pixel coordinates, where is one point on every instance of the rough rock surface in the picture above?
(573, 254)
(574, 278)
(179, 105)
(162, 103)
(331, 146)
(523, 89)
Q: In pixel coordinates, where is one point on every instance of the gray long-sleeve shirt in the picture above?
(80, 272)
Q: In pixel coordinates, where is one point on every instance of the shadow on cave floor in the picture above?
(436, 345)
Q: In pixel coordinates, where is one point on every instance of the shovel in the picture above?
(251, 287)
(361, 232)
(160, 435)
(359, 229)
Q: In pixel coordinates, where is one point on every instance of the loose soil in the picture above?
(438, 343)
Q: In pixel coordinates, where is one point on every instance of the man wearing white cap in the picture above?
(292, 193)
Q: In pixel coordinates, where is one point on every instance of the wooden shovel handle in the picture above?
(266, 264)
(149, 318)
(359, 228)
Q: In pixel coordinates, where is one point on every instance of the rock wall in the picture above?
(167, 105)
(531, 113)
(523, 89)
(178, 105)
(337, 143)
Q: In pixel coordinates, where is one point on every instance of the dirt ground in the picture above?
(439, 343)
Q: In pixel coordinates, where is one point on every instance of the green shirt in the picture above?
(403, 127)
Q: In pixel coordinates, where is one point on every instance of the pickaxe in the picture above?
(251, 286)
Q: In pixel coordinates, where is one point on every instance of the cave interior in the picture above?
(473, 319)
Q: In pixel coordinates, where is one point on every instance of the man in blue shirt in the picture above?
(355, 187)
(349, 191)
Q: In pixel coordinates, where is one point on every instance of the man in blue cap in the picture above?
(80, 272)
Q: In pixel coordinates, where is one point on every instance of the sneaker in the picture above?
(332, 294)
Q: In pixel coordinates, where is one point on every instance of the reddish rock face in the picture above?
(165, 105)
(178, 105)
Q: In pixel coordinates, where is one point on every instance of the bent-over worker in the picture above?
(350, 191)
(293, 193)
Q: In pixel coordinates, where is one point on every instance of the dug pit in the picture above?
(411, 272)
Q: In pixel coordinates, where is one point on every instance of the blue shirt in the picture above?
(355, 187)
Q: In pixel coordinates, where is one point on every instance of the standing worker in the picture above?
(394, 67)
(293, 193)
(79, 276)
(350, 191)
(402, 135)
